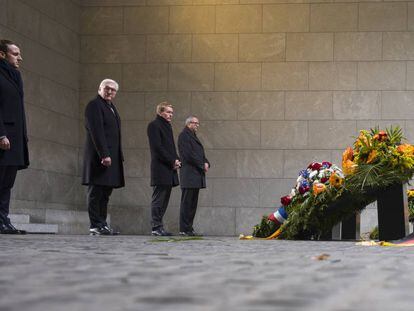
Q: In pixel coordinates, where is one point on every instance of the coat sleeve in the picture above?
(95, 125)
(2, 128)
(154, 138)
(188, 153)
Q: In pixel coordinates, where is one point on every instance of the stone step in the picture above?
(37, 228)
(19, 218)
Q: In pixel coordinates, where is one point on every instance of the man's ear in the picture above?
(2, 55)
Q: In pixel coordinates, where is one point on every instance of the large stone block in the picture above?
(309, 47)
(170, 2)
(49, 125)
(331, 134)
(181, 102)
(334, 17)
(332, 75)
(215, 48)
(135, 162)
(168, 48)
(101, 20)
(68, 13)
(23, 19)
(284, 134)
(59, 38)
(3, 12)
(410, 16)
(130, 105)
(285, 76)
(137, 222)
(409, 131)
(91, 75)
(192, 19)
(262, 47)
(113, 49)
(134, 134)
(214, 105)
(358, 46)
(43, 92)
(238, 19)
(286, 18)
(204, 2)
(237, 77)
(216, 221)
(410, 76)
(223, 163)
(137, 192)
(235, 192)
(381, 75)
(113, 3)
(297, 160)
(50, 156)
(247, 218)
(261, 106)
(151, 20)
(384, 16)
(145, 77)
(356, 105)
(271, 190)
(260, 163)
(231, 134)
(191, 77)
(397, 105)
(398, 46)
(308, 105)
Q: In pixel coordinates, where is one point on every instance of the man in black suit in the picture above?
(192, 174)
(103, 168)
(164, 165)
(14, 154)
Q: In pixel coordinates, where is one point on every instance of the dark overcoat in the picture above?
(192, 156)
(13, 123)
(103, 139)
(163, 153)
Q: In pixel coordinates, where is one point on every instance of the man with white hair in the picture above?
(103, 158)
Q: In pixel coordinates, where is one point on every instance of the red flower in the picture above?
(315, 166)
(303, 189)
(326, 164)
(285, 200)
(324, 179)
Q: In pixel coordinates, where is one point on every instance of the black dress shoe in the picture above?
(190, 233)
(10, 229)
(99, 231)
(161, 232)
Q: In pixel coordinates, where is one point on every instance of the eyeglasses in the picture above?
(195, 122)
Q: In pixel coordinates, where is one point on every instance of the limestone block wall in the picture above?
(276, 84)
(48, 34)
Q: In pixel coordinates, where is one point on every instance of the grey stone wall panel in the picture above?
(262, 47)
(101, 20)
(261, 106)
(286, 18)
(168, 48)
(332, 75)
(333, 17)
(260, 163)
(192, 19)
(284, 134)
(308, 105)
(383, 16)
(356, 105)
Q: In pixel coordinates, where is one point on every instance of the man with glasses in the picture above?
(103, 159)
(192, 174)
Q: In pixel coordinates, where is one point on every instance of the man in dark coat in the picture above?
(103, 168)
(14, 154)
(192, 174)
(164, 165)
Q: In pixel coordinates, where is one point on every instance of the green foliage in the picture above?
(374, 234)
(265, 228)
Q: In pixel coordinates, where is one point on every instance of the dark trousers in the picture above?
(188, 208)
(159, 204)
(97, 200)
(7, 178)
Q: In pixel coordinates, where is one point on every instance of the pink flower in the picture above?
(303, 189)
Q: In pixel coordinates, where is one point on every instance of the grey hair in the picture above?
(189, 118)
(105, 82)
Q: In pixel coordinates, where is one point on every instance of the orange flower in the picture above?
(348, 167)
(348, 154)
(318, 188)
(372, 156)
(405, 149)
(335, 180)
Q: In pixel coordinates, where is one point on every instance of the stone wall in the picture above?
(48, 34)
(276, 85)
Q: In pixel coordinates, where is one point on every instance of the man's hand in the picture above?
(206, 167)
(106, 161)
(4, 143)
(177, 164)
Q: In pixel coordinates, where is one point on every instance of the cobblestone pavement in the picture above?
(88, 273)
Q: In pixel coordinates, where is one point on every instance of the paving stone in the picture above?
(57, 272)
